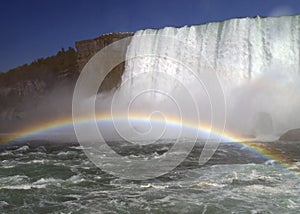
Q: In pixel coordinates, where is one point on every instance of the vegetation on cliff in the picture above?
(47, 69)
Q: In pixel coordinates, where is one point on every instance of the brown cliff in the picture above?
(44, 88)
(87, 48)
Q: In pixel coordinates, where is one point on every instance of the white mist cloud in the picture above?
(281, 11)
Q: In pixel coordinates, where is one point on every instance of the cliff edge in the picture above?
(44, 88)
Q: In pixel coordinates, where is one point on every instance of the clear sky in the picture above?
(32, 29)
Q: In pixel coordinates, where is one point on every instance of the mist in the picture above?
(52, 104)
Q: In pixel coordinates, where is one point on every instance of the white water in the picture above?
(256, 60)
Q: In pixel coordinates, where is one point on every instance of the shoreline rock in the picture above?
(291, 135)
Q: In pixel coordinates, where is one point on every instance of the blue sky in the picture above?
(32, 29)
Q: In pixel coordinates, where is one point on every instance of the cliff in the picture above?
(44, 88)
(87, 48)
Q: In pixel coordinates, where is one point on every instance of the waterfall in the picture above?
(255, 63)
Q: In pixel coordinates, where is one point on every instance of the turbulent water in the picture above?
(40, 177)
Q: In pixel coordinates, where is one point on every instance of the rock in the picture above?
(87, 48)
(291, 135)
(30, 88)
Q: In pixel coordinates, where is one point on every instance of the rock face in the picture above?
(87, 48)
(291, 135)
(17, 94)
(45, 87)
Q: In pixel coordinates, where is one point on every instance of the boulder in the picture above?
(291, 135)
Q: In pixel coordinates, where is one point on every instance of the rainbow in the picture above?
(49, 125)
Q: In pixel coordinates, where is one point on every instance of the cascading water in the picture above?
(189, 85)
(256, 60)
